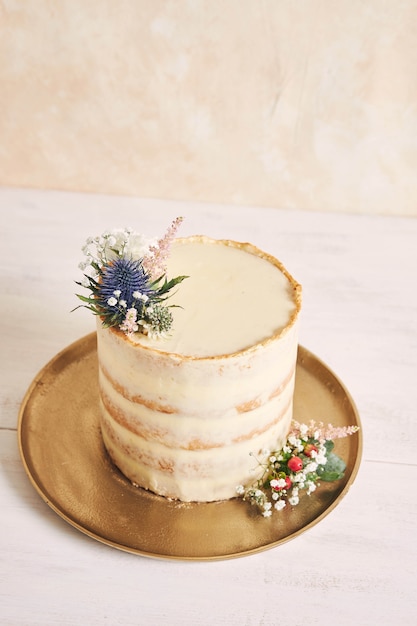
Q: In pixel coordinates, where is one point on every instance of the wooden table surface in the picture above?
(358, 565)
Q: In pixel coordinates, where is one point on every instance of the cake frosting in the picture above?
(190, 416)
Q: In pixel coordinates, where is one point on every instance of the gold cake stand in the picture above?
(63, 455)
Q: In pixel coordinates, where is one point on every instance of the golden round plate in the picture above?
(62, 451)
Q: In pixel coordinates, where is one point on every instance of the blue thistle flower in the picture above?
(119, 280)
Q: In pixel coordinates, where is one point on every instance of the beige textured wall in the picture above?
(289, 103)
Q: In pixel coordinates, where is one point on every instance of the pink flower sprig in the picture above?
(154, 263)
(320, 431)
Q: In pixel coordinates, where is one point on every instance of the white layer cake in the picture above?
(187, 417)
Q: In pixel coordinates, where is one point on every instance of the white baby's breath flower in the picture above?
(278, 506)
(293, 500)
(298, 477)
(112, 301)
(112, 244)
(295, 441)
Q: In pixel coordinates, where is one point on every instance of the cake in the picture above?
(189, 414)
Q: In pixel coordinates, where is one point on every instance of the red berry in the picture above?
(310, 447)
(295, 464)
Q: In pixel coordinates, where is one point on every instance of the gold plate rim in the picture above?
(62, 453)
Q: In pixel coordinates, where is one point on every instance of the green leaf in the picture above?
(93, 309)
(333, 470)
(169, 284)
(86, 299)
(329, 445)
(92, 281)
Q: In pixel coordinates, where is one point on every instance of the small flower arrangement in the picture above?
(306, 458)
(126, 276)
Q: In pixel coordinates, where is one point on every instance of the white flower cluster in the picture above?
(113, 244)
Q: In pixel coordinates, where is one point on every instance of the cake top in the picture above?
(234, 297)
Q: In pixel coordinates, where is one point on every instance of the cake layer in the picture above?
(187, 417)
(206, 387)
(191, 475)
(194, 431)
